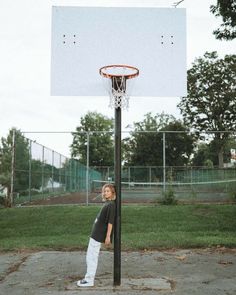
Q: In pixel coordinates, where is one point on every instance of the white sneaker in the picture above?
(84, 283)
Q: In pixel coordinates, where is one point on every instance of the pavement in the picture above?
(189, 271)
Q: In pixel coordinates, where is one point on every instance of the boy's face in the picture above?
(108, 193)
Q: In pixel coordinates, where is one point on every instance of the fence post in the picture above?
(70, 175)
(150, 176)
(43, 163)
(30, 169)
(87, 172)
(164, 162)
(75, 176)
(13, 154)
(60, 169)
(191, 175)
(129, 176)
(53, 171)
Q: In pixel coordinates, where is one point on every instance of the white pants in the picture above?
(92, 259)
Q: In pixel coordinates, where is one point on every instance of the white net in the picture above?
(117, 93)
(118, 83)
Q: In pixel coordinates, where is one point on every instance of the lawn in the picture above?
(143, 227)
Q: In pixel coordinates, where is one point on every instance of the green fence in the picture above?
(148, 184)
(40, 173)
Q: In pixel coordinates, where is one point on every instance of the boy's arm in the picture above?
(108, 236)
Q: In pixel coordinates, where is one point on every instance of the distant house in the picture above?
(52, 185)
(3, 191)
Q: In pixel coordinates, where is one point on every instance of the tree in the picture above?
(205, 152)
(21, 154)
(227, 10)
(146, 149)
(179, 145)
(140, 148)
(210, 104)
(37, 170)
(101, 150)
(203, 155)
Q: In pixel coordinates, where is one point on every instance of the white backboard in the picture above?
(86, 38)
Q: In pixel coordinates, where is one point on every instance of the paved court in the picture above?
(195, 271)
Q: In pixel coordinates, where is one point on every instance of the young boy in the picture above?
(101, 233)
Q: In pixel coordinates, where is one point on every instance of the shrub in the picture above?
(168, 198)
(232, 196)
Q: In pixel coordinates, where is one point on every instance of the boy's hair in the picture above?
(113, 190)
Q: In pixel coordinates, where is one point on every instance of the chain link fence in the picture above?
(40, 175)
(188, 184)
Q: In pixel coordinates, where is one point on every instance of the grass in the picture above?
(143, 227)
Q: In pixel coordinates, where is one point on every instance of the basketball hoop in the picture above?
(115, 81)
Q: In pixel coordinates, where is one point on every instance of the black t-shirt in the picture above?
(105, 216)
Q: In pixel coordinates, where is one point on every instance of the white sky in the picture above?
(25, 101)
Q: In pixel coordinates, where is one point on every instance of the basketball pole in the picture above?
(117, 227)
(117, 170)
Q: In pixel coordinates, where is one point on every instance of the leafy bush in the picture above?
(2, 200)
(232, 196)
(5, 201)
(168, 198)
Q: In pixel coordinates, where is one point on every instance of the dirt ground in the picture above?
(81, 198)
(127, 198)
(176, 272)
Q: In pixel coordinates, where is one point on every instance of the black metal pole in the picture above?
(117, 227)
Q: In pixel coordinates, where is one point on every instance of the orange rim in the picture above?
(103, 73)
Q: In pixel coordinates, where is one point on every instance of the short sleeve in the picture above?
(111, 213)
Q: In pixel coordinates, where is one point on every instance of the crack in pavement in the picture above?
(13, 268)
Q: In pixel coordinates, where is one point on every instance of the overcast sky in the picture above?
(25, 37)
